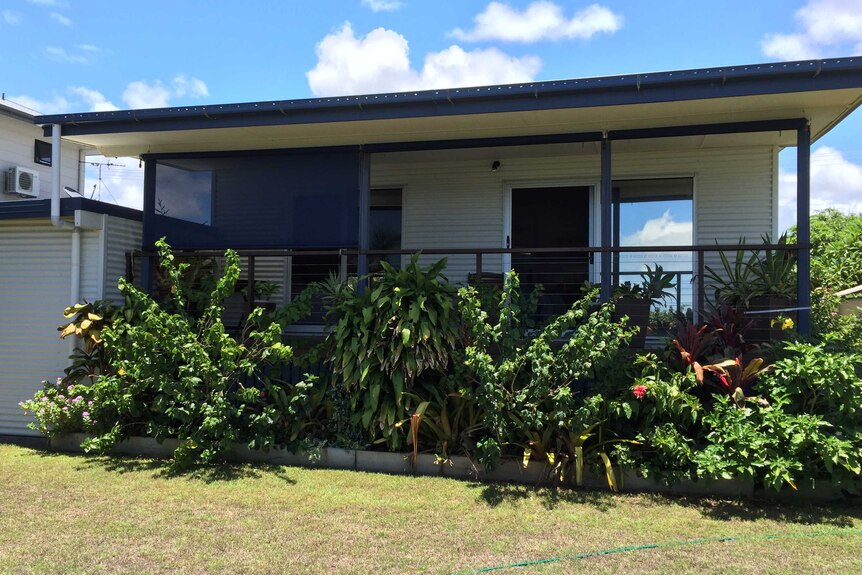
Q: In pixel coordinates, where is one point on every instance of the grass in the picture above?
(74, 514)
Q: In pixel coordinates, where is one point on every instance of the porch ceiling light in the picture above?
(495, 165)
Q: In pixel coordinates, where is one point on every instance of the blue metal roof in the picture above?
(24, 209)
(704, 83)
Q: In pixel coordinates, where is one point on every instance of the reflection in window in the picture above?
(384, 225)
(655, 212)
(184, 194)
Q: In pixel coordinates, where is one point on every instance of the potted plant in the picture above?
(758, 284)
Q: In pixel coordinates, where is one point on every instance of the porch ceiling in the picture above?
(823, 108)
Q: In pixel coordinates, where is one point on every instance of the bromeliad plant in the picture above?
(384, 339)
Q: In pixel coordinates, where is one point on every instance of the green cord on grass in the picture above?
(658, 546)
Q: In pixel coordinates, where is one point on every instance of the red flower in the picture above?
(639, 391)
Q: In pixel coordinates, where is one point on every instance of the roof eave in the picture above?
(762, 79)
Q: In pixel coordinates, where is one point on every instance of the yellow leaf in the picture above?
(68, 330)
(609, 472)
(86, 324)
(526, 460)
(94, 317)
(551, 458)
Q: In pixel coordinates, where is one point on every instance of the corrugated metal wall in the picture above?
(460, 203)
(35, 275)
(35, 268)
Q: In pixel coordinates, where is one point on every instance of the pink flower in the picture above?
(44, 398)
(69, 389)
(78, 399)
(59, 382)
(639, 391)
(86, 414)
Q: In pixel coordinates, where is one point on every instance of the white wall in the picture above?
(121, 236)
(460, 203)
(17, 148)
(35, 287)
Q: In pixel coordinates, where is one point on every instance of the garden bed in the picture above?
(457, 467)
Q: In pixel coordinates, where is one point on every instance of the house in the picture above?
(565, 181)
(47, 263)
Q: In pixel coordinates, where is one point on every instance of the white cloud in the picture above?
(54, 3)
(661, 231)
(11, 18)
(93, 98)
(541, 20)
(61, 55)
(836, 183)
(121, 183)
(142, 94)
(382, 5)
(60, 19)
(824, 28)
(192, 87)
(56, 105)
(379, 62)
(88, 47)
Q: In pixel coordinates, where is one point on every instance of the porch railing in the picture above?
(561, 270)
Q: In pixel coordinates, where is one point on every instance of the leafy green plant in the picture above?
(383, 338)
(736, 283)
(87, 321)
(658, 285)
(181, 376)
(775, 448)
(60, 408)
(776, 269)
(525, 384)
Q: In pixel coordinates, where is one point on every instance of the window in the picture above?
(384, 225)
(655, 212)
(42, 153)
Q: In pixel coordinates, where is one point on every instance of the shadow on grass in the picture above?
(496, 494)
(161, 468)
(802, 513)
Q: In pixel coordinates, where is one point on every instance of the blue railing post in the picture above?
(803, 229)
(606, 192)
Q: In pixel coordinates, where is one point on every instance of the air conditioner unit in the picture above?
(23, 182)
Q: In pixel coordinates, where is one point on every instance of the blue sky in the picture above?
(71, 55)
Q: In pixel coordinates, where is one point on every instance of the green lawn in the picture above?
(72, 514)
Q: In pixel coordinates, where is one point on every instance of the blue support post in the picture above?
(606, 191)
(364, 214)
(148, 234)
(803, 229)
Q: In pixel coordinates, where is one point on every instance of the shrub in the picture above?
(384, 338)
(61, 408)
(527, 384)
(184, 377)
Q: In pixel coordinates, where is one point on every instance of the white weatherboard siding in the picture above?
(460, 203)
(121, 236)
(17, 148)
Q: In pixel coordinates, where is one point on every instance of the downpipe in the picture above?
(75, 275)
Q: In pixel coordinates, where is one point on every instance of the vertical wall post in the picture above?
(606, 191)
(615, 198)
(250, 292)
(148, 235)
(364, 214)
(803, 229)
